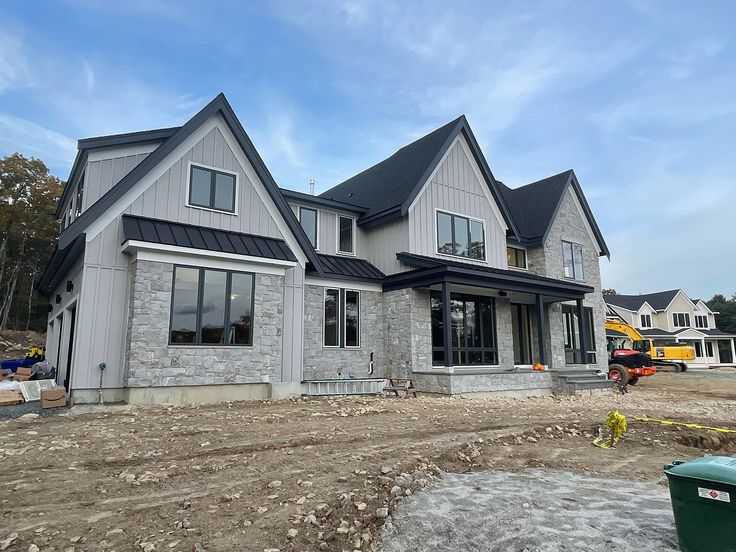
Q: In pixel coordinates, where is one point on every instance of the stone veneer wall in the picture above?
(408, 330)
(570, 226)
(332, 362)
(152, 362)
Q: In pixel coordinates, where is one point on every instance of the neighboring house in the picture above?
(183, 268)
(672, 317)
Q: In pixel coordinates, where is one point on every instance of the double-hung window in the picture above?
(646, 321)
(460, 236)
(211, 307)
(211, 189)
(308, 219)
(681, 319)
(572, 260)
(516, 257)
(701, 321)
(341, 318)
(345, 235)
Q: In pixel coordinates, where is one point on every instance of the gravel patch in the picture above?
(534, 510)
(18, 410)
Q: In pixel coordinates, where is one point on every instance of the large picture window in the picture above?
(473, 321)
(572, 260)
(681, 319)
(211, 189)
(342, 318)
(308, 219)
(460, 236)
(572, 335)
(211, 307)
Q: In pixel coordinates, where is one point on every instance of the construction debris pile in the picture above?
(15, 344)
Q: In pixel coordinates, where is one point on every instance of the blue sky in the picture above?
(638, 97)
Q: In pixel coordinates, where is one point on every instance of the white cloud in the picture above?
(31, 139)
(15, 71)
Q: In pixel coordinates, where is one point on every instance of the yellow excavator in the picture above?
(673, 355)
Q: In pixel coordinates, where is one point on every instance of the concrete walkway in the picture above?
(534, 511)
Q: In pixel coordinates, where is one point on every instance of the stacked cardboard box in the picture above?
(23, 374)
(53, 397)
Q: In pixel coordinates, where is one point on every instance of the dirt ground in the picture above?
(15, 344)
(315, 474)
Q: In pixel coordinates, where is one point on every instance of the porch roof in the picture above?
(430, 271)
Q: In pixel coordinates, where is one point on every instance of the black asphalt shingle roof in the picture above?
(654, 332)
(658, 301)
(199, 237)
(534, 206)
(349, 267)
(387, 184)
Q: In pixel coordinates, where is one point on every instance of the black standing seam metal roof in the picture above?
(659, 301)
(351, 268)
(218, 105)
(197, 237)
(388, 188)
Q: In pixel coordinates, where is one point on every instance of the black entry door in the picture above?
(521, 330)
(68, 374)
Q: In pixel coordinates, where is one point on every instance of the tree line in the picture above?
(28, 198)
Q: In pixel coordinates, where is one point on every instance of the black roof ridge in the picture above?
(544, 180)
(646, 294)
(198, 227)
(218, 104)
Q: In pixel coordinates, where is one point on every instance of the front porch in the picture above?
(499, 324)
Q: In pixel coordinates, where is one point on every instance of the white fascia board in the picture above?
(344, 284)
(476, 170)
(648, 305)
(172, 254)
(121, 151)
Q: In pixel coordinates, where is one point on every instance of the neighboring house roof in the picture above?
(534, 207)
(309, 199)
(430, 270)
(714, 332)
(656, 332)
(659, 301)
(388, 188)
(200, 237)
(349, 268)
(615, 333)
(219, 105)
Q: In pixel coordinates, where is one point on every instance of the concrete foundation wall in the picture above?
(523, 384)
(322, 362)
(195, 394)
(152, 362)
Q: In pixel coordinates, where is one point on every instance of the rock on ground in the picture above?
(534, 510)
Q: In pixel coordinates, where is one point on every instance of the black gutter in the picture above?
(301, 197)
(381, 217)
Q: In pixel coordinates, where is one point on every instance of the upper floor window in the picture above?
(80, 197)
(460, 236)
(341, 325)
(701, 321)
(308, 219)
(211, 307)
(516, 257)
(572, 260)
(211, 189)
(681, 319)
(646, 321)
(345, 234)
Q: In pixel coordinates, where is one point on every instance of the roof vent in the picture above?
(311, 186)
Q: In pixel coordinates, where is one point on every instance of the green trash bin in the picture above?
(703, 494)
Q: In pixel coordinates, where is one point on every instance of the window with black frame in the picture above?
(211, 307)
(460, 236)
(473, 330)
(211, 189)
(572, 335)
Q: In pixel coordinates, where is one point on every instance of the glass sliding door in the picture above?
(473, 330)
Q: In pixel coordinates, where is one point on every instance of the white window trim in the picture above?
(582, 252)
(187, 190)
(672, 319)
(316, 222)
(450, 255)
(641, 320)
(339, 326)
(526, 258)
(352, 253)
(707, 322)
(360, 321)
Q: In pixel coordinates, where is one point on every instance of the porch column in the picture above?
(733, 352)
(539, 304)
(581, 329)
(446, 324)
(704, 350)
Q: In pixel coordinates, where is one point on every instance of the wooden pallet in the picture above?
(10, 398)
(401, 387)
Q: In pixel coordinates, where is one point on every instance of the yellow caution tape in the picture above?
(616, 423)
(683, 424)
